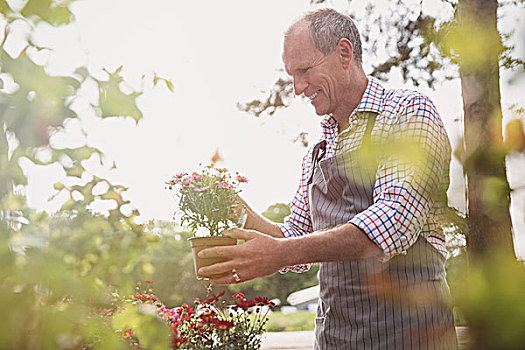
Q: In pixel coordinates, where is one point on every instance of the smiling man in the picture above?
(369, 204)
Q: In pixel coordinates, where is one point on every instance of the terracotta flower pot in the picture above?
(199, 243)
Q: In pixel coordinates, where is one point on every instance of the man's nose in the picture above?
(299, 85)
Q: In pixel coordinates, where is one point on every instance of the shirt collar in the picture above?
(371, 101)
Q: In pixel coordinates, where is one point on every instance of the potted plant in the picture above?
(208, 201)
(216, 324)
(209, 324)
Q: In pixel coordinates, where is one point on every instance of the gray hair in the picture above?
(327, 27)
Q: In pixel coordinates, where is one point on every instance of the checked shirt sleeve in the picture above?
(408, 178)
(299, 223)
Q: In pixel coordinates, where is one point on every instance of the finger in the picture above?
(240, 234)
(228, 278)
(216, 269)
(217, 252)
(223, 280)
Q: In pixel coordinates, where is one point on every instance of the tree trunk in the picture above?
(488, 215)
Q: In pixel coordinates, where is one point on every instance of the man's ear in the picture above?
(345, 51)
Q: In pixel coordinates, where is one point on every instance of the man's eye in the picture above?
(303, 70)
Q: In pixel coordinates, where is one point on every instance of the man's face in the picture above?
(315, 75)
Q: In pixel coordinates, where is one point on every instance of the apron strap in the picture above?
(317, 154)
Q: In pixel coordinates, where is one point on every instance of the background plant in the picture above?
(214, 324)
(209, 324)
(56, 269)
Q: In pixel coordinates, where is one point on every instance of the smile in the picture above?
(314, 95)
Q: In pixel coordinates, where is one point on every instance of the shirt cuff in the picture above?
(286, 230)
(287, 233)
(380, 228)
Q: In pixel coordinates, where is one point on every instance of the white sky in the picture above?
(217, 53)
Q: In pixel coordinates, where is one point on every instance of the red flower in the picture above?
(223, 325)
(128, 333)
(263, 301)
(149, 281)
(207, 319)
(107, 312)
(177, 341)
(185, 308)
(239, 297)
(146, 297)
(245, 304)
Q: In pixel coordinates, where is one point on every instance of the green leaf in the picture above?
(1, 83)
(41, 101)
(168, 83)
(59, 186)
(75, 171)
(55, 13)
(4, 7)
(113, 102)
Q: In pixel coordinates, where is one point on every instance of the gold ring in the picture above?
(236, 276)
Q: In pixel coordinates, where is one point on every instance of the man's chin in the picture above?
(320, 109)
(320, 112)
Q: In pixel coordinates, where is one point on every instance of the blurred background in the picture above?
(102, 102)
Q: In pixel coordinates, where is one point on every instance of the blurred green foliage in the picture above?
(58, 271)
(277, 212)
(491, 298)
(174, 275)
(297, 321)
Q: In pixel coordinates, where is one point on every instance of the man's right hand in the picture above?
(255, 221)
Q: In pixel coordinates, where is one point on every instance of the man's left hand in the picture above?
(260, 255)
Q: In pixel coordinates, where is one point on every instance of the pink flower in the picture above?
(200, 189)
(224, 185)
(189, 180)
(177, 178)
(241, 178)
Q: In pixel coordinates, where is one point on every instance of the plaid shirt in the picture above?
(409, 195)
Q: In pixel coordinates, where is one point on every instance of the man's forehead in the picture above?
(297, 34)
(297, 49)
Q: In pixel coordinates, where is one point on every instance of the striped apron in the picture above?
(403, 303)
